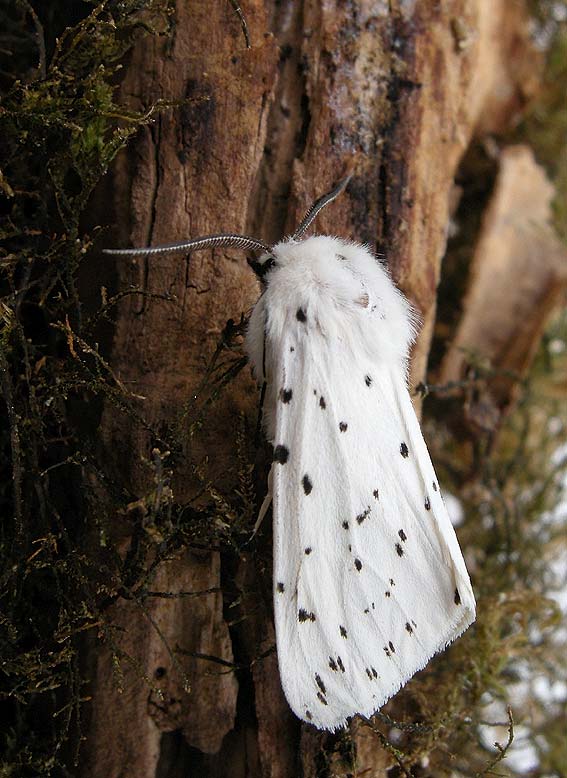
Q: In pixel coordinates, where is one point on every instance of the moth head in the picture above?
(261, 266)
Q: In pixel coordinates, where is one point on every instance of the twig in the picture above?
(404, 726)
(390, 748)
(175, 595)
(165, 643)
(107, 304)
(502, 750)
(226, 662)
(209, 658)
(6, 384)
(42, 64)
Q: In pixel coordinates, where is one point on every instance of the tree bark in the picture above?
(395, 92)
(518, 274)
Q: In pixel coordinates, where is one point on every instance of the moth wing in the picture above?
(369, 580)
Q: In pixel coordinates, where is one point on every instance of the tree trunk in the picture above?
(396, 92)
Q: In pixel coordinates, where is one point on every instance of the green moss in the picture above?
(60, 129)
(61, 569)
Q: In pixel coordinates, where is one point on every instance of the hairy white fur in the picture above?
(369, 580)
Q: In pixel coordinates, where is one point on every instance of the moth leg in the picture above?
(266, 504)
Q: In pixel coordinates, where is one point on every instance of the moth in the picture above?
(369, 579)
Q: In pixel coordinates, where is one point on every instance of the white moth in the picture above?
(369, 579)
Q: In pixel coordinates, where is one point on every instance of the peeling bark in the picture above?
(395, 91)
(517, 277)
(473, 67)
(127, 728)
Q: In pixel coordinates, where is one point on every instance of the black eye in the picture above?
(261, 268)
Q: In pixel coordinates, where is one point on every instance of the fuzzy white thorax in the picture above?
(345, 290)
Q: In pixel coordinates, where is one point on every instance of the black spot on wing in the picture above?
(434, 486)
(387, 594)
(343, 426)
(402, 535)
(281, 454)
(358, 564)
(409, 628)
(286, 395)
(399, 550)
(361, 516)
(340, 664)
(333, 665)
(307, 485)
(391, 646)
(321, 698)
(308, 715)
(376, 494)
(343, 632)
(404, 450)
(427, 503)
(345, 525)
(300, 315)
(280, 587)
(457, 597)
(368, 380)
(322, 403)
(291, 349)
(320, 684)
(308, 550)
(303, 615)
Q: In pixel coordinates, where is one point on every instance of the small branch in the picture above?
(17, 472)
(176, 595)
(404, 726)
(209, 658)
(502, 750)
(108, 303)
(42, 64)
(225, 662)
(390, 748)
(182, 674)
(478, 378)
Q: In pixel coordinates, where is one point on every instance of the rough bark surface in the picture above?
(189, 173)
(394, 91)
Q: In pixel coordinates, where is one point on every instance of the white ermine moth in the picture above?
(369, 579)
